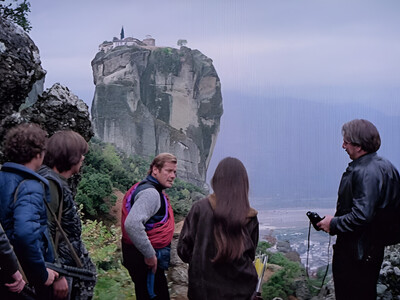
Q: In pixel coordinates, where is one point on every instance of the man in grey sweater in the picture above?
(147, 228)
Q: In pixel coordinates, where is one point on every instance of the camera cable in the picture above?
(308, 254)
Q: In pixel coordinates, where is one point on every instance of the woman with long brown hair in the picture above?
(219, 238)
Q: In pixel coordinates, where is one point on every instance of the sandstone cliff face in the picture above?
(150, 100)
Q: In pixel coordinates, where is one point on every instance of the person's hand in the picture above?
(151, 262)
(18, 285)
(51, 276)
(60, 288)
(325, 223)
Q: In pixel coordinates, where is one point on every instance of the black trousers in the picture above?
(43, 293)
(133, 260)
(355, 279)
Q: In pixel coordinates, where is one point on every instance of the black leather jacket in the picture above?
(368, 194)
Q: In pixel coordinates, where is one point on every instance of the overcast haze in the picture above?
(321, 49)
(324, 51)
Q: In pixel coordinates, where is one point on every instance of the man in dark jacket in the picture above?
(23, 193)
(10, 277)
(64, 158)
(368, 193)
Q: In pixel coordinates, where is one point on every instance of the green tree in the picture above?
(181, 43)
(17, 12)
(95, 193)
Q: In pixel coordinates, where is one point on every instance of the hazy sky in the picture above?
(335, 51)
(326, 50)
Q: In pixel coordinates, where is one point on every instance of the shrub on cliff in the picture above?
(95, 192)
(113, 281)
(281, 283)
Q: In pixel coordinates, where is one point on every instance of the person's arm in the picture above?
(146, 205)
(366, 190)
(60, 288)
(9, 264)
(29, 232)
(8, 260)
(187, 236)
(18, 284)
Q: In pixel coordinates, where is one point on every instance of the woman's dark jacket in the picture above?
(8, 260)
(368, 195)
(207, 280)
(70, 221)
(25, 220)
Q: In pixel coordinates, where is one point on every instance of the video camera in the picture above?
(314, 219)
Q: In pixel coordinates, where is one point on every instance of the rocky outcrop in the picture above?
(389, 275)
(59, 109)
(20, 68)
(21, 89)
(150, 100)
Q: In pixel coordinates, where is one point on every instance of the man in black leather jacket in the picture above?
(368, 193)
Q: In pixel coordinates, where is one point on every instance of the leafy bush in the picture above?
(101, 243)
(113, 281)
(94, 192)
(262, 247)
(17, 12)
(180, 195)
(281, 283)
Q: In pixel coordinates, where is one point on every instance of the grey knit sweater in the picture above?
(146, 204)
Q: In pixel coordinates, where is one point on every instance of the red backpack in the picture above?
(158, 236)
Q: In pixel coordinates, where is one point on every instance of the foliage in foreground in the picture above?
(17, 13)
(113, 281)
(281, 283)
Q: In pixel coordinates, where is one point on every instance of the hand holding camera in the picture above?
(314, 219)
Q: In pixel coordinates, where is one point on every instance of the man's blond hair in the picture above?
(160, 160)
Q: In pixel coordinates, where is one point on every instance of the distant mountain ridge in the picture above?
(292, 147)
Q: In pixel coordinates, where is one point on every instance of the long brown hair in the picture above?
(231, 187)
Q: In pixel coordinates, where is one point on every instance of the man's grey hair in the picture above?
(362, 133)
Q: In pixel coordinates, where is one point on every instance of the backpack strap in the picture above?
(63, 234)
(56, 188)
(60, 210)
(61, 231)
